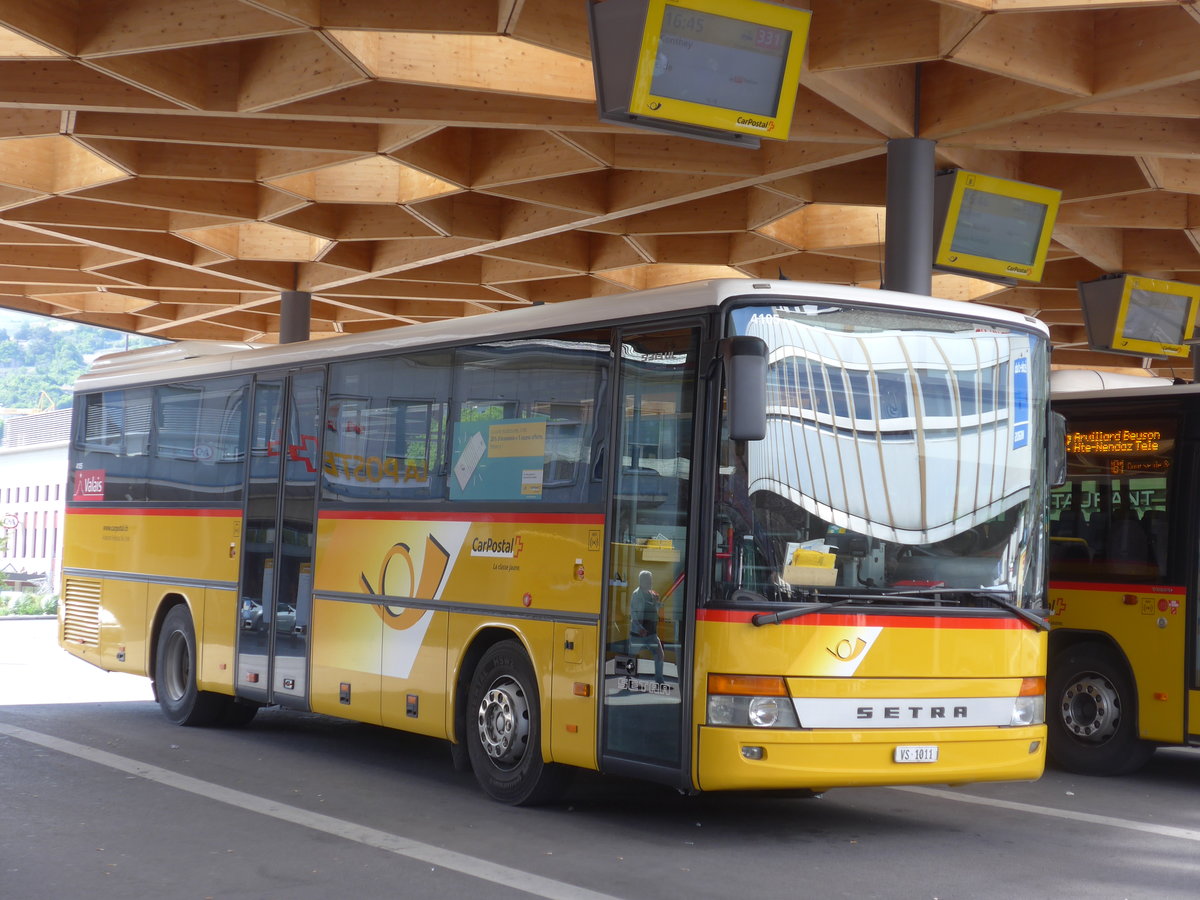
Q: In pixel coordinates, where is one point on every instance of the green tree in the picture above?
(66, 364)
(50, 357)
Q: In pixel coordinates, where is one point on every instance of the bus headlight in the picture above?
(1029, 711)
(765, 712)
(757, 701)
(725, 710)
(1030, 707)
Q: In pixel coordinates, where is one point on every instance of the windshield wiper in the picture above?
(1000, 599)
(818, 605)
(796, 612)
(814, 603)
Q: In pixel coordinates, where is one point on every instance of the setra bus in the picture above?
(727, 535)
(1123, 672)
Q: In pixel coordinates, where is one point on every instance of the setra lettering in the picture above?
(867, 713)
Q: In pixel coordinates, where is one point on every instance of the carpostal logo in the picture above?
(499, 548)
(764, 124)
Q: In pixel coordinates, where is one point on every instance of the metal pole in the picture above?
(908, 235)
(295, 312)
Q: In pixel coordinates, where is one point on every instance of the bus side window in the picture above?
(385, 428)
(198, 437)
(113, 438)
(525, 420)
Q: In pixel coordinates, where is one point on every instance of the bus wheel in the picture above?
(504, 731)
(237, 713)
(1092, 719)
(175, 674)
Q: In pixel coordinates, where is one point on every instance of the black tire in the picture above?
(504, 730)
(1092, 715)
(460, 755)
(175, 674)
(237, 713)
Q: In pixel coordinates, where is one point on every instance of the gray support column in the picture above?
(295, 313)
(908, 237)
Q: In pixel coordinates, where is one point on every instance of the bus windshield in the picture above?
(903, 456)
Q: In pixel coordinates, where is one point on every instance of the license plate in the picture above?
(916, 754)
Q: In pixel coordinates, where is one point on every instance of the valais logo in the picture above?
(89, 485)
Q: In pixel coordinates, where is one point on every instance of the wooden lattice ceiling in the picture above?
(169, 167)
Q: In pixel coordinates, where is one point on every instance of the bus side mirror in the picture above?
(745, 361)
(1057, 462)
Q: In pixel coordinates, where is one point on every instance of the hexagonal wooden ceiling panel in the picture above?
(169, 168)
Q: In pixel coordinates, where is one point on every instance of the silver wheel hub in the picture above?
(503, 720)
(1091, 708)
(177, 667)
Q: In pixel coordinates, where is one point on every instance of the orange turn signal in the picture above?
(1032, 687)
(753, 685)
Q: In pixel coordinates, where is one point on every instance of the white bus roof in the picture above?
(193, 359)
(1087, 383)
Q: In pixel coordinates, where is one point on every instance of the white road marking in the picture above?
(351, 831)
(474, 866)
(1184, 834)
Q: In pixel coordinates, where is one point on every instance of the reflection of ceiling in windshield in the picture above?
(843, 318)
(906, 433)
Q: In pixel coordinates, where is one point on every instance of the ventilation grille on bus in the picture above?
(81, 611)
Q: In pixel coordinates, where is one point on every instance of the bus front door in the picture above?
(277, 543)
(646, 653)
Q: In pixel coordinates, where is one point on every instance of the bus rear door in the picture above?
(275, 596)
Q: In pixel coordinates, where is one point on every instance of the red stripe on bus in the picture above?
(152, 511)
(1100, 586)
(868, 619)
(426, 516)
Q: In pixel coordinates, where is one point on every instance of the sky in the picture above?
(13, 319)
(10, 318)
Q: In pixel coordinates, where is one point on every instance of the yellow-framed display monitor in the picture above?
(718, 69)
(1139, 316)
(992, 226)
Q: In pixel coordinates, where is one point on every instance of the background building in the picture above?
(33, 475)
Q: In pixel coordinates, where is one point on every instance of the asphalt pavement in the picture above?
(101, 798)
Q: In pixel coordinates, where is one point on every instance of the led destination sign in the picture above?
(1120, 441)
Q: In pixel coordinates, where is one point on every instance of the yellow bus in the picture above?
(729, 535)
(1123, 673)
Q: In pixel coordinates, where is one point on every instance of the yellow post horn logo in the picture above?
(845, 650)
(401, 617)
